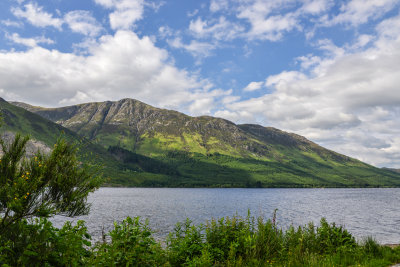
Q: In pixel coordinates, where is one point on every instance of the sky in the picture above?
(327, 70)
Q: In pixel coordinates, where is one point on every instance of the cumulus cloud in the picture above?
(118, 66)
(35, 15)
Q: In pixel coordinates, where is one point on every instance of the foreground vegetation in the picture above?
(225, 242)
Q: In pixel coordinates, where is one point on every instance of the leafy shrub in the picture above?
(330, 238)
(131, 245)
(41, 244)
(230, 237)
(185, 243)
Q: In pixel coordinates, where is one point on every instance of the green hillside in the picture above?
(158, 147)
(116, 172)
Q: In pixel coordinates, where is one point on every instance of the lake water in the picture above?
(364, 212)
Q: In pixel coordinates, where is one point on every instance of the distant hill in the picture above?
(172, 149)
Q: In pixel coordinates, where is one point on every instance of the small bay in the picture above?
(363, 211)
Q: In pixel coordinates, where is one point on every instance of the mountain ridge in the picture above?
(70, 117)
(207, 151)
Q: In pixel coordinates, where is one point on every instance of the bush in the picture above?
(185, 243)
(41, 244)
(40, 187)
(225, 242)
(131, 245)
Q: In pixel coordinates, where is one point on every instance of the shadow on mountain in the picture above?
(183, 169)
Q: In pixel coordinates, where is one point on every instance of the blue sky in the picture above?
(328, 70)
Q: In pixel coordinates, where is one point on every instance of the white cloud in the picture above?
(220, 29)
(125, 14)
(329, 47)
(118, 66)
(10, 23)
(79, 97)
(230, 99)
(269, 28)
(155, 5)
(253, 86)
(243, 116)
(316, 6)
(196, 48)
(257, 19)
(202, 106)
(83, 22)
(308, 61)
(193, 13)
(7, 95)
(270, 20)
(106, 3)
(30, 42)
(165, 31)
(217, 5)
(284, 77)
(37, 16)
(350, 101)
(356, 12)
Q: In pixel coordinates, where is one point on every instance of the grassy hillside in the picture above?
(158, 147)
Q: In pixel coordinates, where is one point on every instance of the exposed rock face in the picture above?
(32, 147)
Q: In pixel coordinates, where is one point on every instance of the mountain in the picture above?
(208, 151)
(44, 134)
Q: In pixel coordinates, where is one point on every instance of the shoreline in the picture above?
(325, 187)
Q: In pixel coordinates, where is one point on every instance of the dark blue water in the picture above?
(364, 212)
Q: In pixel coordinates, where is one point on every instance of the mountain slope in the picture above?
(45, 133)
(207, 151)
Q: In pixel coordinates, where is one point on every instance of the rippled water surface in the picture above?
(364, 212)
